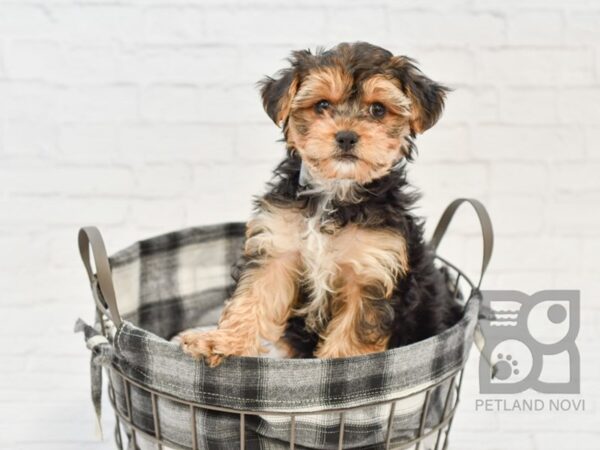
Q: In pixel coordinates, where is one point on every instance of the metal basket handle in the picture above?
(486, 229)
(91, 237)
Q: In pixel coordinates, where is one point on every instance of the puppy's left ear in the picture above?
(277, 94)
(426, 95)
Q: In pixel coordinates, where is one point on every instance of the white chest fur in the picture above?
(327, 257)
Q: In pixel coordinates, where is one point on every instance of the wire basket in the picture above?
(163, 399)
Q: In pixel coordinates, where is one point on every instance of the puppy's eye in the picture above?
(377, 110)
(322, 105)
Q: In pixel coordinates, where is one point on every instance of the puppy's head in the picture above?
(351, 112)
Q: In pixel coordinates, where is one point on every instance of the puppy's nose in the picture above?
(346, 139)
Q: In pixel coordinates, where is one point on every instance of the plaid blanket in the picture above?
(180, 280)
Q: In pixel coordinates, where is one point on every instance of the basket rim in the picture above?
(316, 362)
(237, 229)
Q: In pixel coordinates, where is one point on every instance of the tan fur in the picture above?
(347, 271)
(326, 83)
(286, 102)
(375, 257)
(417, 115)
(380, 88)
(378, 148)
(262, 302)
(347, 265)
(369, 262)
(344, 335)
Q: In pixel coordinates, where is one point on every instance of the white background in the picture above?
(142, 117)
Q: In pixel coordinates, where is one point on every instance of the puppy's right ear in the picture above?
(277, 94)
(426, 95)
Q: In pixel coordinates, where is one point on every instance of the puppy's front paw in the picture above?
(201, 344)
(214, 345)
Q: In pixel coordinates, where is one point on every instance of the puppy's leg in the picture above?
(370, 262)
(357, 325)
(264, 296)
(258, 309)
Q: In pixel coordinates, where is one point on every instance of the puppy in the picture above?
(335, 263)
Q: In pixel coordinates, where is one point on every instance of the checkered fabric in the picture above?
(179, 281)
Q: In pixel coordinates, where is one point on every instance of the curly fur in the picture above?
(335, 263)
(421, 305)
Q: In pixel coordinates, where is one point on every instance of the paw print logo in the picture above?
(523, 334)
(506, 367)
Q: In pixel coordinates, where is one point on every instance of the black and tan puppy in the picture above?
(335, 263)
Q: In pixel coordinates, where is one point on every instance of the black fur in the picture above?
(421, 305)
(362, 60)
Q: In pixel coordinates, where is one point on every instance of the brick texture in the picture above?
(143, 117)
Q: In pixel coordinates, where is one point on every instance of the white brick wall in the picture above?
(142, 117)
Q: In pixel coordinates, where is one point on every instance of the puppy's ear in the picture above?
(426, 95)
(277, 94)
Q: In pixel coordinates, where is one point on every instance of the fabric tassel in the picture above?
(102, 354)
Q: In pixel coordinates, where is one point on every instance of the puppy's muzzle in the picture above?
(346, 140)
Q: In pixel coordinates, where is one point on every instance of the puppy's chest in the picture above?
(319, 244)
(324, 249)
